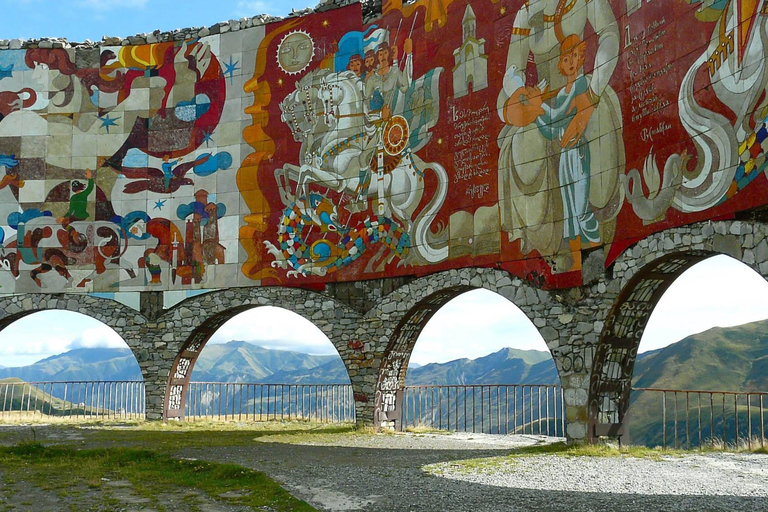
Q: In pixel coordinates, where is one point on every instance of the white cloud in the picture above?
(31, 347)
(718, 292)
(275, 328)
(475, 324)
(254, 8)
(250, 8)
(48, 333)
(110, 5)
(98, 337)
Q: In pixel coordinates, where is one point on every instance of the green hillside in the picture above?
(79, 365)
(20, 396)
(720, 359)
(507, 366)
(240, 361)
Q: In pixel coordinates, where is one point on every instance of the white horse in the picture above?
(341, 149)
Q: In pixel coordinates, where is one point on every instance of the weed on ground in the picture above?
(150, 474)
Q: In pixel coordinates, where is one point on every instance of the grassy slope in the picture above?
(507, 366)
(720, 359)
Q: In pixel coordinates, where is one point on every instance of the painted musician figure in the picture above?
(559, 190)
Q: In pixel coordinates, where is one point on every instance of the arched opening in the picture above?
(467, 358)
(63, 364)
(664, 333)
(260, 363)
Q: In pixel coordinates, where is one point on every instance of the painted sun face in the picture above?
(295, 52)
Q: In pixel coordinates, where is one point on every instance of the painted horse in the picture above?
(351, 151)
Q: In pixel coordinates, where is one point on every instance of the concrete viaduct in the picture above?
(363, 163)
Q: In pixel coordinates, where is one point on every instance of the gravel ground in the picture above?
(418, 473)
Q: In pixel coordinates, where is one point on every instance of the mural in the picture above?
(521, 134)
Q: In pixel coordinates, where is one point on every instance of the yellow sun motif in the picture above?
(295, 52)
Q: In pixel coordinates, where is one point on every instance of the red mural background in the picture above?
(681, 69)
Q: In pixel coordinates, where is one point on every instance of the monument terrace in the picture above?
(363, 164)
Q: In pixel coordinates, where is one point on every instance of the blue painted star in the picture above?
(6, 72)
(159, 204)
(207, 137)
(107, 121)
(231, 67)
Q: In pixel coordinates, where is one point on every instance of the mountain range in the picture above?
(724, 359)
(80, 365)
(236, 361)
(240, 361)
(720, 359)
(507, 366)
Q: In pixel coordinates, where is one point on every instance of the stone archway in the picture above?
(646, 271)
(403, 314)
(389, 394)
(195, 320)
(128, 323)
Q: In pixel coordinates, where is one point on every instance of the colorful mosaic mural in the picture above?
(447, 133)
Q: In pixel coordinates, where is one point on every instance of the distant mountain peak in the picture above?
(505, 366)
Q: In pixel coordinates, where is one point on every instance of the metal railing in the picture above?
(81, 399)
(672, 418)
(694, 418)
(491, 409)
(327, 403)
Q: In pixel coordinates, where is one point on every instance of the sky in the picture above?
(719, 291)
(78, 20)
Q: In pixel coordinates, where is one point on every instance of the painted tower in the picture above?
(471, 62)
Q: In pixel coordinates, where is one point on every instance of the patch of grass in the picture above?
(174, 436)
(560, 449)
(425, 429)
(63, 469)
(596, 450)
(743, 446)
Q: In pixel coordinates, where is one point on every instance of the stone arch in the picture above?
(404, 313)
(196, 319)
(128, 323)
(124, 320)
(645, 272)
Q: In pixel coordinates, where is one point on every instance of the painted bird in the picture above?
(155, 180)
